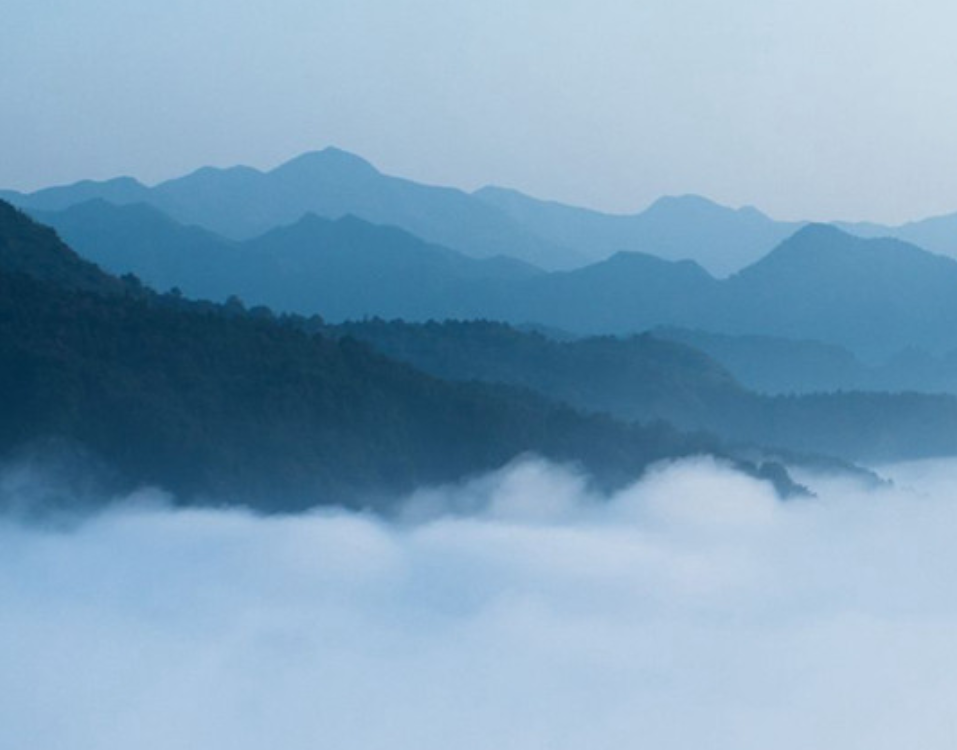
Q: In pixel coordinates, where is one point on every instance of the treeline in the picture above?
(220, 404)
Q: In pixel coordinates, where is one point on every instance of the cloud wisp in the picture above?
(693, 609)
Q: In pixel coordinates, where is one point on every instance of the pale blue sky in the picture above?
(814, 109)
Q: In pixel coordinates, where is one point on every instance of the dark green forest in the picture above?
(224, 403)
(216, 404)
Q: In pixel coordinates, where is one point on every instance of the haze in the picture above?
(693, 609)
(811, 110)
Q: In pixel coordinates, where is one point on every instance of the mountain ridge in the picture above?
(242, 202)
(873, 297)
(719, 238)
(223, 406)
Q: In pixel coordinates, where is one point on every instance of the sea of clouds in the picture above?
(692, 610)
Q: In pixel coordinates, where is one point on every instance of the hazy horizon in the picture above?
(265, 168)
(816, 111)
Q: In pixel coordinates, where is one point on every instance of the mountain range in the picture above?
(217, 404)
(284, 411)
(649, 378)
(938, 234)
(242, 202)
(339, 268)
(720, 239)
(779, 366)
(873, 297)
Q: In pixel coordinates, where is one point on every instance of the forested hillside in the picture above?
(219, 405)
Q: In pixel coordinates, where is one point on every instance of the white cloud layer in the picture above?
(692, 610)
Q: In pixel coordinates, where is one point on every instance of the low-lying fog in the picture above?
(694, 610)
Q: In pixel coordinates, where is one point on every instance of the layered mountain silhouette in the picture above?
(219, 405)
(119, 190)
(937, 234)
(875, 298)
(37, 252)
(241, 203)
(137, 238)
(872, 296)
(775, 365)
(351, 269)
(720, 239)
(213, 401)
(341, 269)
(644, 377)
(639, 377)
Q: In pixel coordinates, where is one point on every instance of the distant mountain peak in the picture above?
(309, 218)
(687, 200)
(238, 169)
(493, 188)
(124, 181)
(96, 207)
(310, 225)
(829, 252)
(815, 232)
(211, 178)
(312, 219)
(328, 159)
(633, 260)
(818, 241)
(698, 203)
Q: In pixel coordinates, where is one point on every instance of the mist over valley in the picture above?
(448, 375)
(692, 607)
